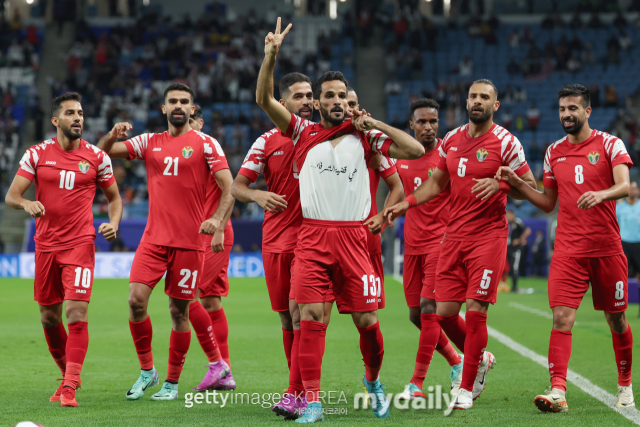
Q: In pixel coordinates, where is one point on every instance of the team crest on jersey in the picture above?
(431, 171)
(594, 156)
(187, 152)
(84, 167)
(482, 154)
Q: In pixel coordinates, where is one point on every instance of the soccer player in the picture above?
(273, 155)
(375, 221)
(207, 315)
(587, 171)
(179, 163)
(332, 159)
(67, 171)
(424, 229)
(474, 249)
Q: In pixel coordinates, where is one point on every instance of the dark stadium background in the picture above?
(121, 54)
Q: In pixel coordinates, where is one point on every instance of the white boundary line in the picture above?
(632, 414)
(544, 314)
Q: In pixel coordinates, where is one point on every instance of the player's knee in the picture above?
(617, 322)
(415, 318)
(286, 320)
(562, 321)
(137, 305)
(178, 314)
(49, 319)
(427, 307)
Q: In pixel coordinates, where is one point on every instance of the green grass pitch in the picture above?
(259, 366)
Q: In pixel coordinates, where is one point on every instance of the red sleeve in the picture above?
(252, 175)
(442, 164)
(549, 179)
(137, 146)
(26, 174)
(618, 154)
(387, 167)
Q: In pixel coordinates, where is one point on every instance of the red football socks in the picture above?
(323, 337)
(475, 344)
(429, 333)
(310, 357)
(57, 340)
(221, 331)
(287, 340)
(456, 329)
(372, 348)
(142, 332)
(77, 344)
(559, 355)
(201, 323)
(178, 347)
(447, 351)
(623, 348)
(295, 380)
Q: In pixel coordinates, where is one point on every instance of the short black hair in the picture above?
(576, 90)
(329, 76)
(197, 113)
(289, 80)
(350, 89)
(56, 104)
(178, 86)
(487, 82)
(424, 103)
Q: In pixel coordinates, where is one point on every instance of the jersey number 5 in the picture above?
(462, 168)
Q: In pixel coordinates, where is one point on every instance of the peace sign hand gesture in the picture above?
(273, 41)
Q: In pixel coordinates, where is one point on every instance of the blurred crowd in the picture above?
(122, 71)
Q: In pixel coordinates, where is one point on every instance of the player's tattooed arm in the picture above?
(268, 201)
(427, 191)
(110, 229)
(15, 200)
(277, 112)
(108, 142)
(542, 200)
(404, 146)
(224, 179)
(396, 193)
(619, 190)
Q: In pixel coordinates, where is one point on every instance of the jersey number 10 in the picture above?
(67, 179)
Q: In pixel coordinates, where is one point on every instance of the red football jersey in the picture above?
(575, 169)
(466, 158)
(211, 204)
(178, 175)
(424, 225)
(273, 155)
(66, 183)
(386, 169)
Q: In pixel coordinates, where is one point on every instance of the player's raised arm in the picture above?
(110, 229)
(428, 190)
(542, 200)
(108, 142)
(278, 113)
(15, 200)
(224, 179)
(402, 146)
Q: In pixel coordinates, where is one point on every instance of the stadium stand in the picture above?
(122, 72)
(19, 61)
